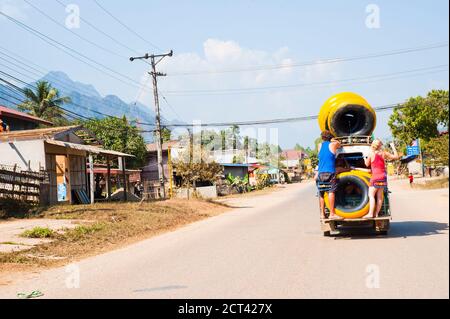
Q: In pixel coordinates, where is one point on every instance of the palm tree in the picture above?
(235, 131)
(45, 103)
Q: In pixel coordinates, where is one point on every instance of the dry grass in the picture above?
(254, 193)
(107, 226)
(432, 184)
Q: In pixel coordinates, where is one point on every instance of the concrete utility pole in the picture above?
(155, 59)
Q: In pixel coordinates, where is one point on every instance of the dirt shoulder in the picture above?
(85, 230)
(419, 183)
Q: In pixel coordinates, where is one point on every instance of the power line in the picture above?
(12, 96)
(126, 26)
(74, 33)
(101, 31)
(317, 62)
(66, 112)
(366, 79)
(40, 73)
(64, 48)
(60, 83)
(32, 86)
(266, 122)
(171, 107)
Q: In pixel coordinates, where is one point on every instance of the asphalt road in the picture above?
(270, 247)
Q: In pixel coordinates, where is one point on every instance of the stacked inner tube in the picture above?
(352, 195)
(348, 114)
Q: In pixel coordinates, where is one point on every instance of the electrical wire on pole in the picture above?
(265, 122)
(155, 59)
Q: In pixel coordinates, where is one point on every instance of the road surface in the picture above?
(270, 247)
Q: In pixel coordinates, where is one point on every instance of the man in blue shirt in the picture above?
(327, 172)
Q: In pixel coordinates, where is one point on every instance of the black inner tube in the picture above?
(351, 194)
(353, 120)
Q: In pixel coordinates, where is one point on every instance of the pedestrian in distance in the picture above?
(326, 173)
(411, 179)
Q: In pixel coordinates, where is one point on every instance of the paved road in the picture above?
(271, 247)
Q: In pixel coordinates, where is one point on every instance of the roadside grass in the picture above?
(106, 226)
(38, 232)
(256, 192)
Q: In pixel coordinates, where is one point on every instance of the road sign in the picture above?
(413, 150)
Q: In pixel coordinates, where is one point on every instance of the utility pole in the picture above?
(419, 144)
(155, 59)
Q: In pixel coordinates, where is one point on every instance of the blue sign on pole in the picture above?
(413, 150)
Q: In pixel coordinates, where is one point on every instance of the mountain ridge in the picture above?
(86, 100)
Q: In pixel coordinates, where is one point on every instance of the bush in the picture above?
(84, 230)
(38, 232)
(87, 230)
(262, 181)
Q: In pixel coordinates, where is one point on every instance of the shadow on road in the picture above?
(398, 230)
(417, 228)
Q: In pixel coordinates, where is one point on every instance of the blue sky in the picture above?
(218, 35)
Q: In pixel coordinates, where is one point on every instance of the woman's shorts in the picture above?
(378, 183)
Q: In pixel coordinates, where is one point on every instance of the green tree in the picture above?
(223, 139)
(45, 103)
(420, 117)
(313, 153)
(118, 135)
(166, 134)
(235, 136)
(435, 151)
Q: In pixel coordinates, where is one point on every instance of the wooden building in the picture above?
(63, 153)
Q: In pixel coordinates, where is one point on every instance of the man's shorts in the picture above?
(326, 183)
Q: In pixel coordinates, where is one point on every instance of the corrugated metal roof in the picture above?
(6, 111)
(57, 133)
(37, 133)
(87, 148)
(234, 165)
(165, 146)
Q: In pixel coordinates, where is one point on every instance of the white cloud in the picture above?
(218, 55)
(14, 8)
(222, 52)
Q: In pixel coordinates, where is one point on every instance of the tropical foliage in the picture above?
(45, 102)
(420, 117)
(238, 183)
(262, 181)
(435, 151)
(119, 135)
(166, 135)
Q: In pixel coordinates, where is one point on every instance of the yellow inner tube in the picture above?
(337, 102)
(365, 177)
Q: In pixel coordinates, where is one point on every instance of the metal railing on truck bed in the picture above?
(355, 140)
